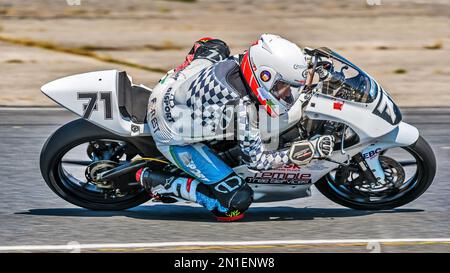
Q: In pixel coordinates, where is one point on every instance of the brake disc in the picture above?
(393, 171)
(394, 178)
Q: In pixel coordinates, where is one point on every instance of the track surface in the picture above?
(31, 214)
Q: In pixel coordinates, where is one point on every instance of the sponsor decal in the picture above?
(298, 66)
(303, 153)
(289, 167)
(169, 103)
(305, 73)
(280, 178)
(153, 119)
(265, 76)
(300, 155)
(337, 105)
(187, 161)
(372, 154)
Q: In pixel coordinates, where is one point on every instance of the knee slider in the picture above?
(233, 193)
(242, 199)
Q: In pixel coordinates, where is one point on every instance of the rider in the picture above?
(189, 106)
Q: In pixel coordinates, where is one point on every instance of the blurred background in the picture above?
(402, 43)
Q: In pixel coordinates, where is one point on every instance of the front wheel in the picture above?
(409, 172)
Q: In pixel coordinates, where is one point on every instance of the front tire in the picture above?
(64, 139)
(426, 170)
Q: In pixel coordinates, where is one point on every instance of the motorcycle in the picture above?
(379, 162)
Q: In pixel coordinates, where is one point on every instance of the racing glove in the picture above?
(324, 146)
(302, 152)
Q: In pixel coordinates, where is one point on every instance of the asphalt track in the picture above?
(33, 218)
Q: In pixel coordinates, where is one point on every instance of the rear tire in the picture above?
(59, 143)
(426, 164)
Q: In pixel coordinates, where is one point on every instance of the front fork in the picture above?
(403, 135)
(369, 163)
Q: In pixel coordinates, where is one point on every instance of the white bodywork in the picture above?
(374, 132)
(67, 91)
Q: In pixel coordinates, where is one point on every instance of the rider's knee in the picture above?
(234, 193)
(242, 199)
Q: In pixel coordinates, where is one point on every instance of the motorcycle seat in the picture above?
(132, 99)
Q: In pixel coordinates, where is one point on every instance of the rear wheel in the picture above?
(79, 150)
(409, 172)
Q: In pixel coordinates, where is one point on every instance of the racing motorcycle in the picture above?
(379, 162)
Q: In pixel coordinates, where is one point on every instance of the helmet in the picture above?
(273, 69)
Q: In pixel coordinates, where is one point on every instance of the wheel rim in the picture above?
(350, 194)
(72, 183)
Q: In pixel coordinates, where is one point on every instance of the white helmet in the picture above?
(273, 68)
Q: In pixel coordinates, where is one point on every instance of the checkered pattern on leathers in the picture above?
(251, 144)
(207, 98)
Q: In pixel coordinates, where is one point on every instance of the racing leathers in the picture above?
(206, 99)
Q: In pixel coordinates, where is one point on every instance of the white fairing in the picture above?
(356, 115)
(93, 96)
(375, 133)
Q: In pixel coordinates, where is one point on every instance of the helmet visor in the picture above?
(285, 92)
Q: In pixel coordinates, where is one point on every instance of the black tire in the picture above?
(59, 143)
(426, 168)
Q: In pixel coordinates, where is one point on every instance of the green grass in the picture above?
(77, 51)
(437, 45)
(167, 45)
(164, 10)
(400, 71)
(99, 48)
(14, 61)
(383, 47)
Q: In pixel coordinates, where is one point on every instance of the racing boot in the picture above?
(227, 199)
(233, 196)
(164, 187)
